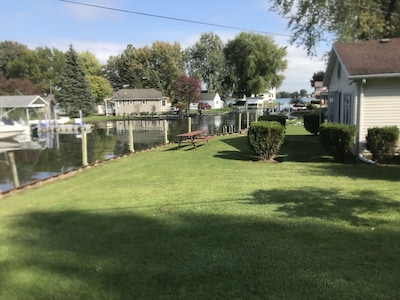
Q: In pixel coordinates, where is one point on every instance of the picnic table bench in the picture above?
(193, 137)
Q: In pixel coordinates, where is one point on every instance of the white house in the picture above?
(363, 80)
(213, 99)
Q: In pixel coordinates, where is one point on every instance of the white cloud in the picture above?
(300, 70)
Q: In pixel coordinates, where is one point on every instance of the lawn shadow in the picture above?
(296, 148)
(183, 147)
(328, 204)
(187, 255)
(242, 152)
(303, 148)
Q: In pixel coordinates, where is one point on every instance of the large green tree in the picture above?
(9, 51)
(313, 21)
(156, 67)
(75, 93)
(51, 64)
(256, 62)
(99, 85)
(206, 61)
(168, 62)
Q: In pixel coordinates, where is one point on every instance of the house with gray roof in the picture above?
(136, 101)
(213, 99)
(363, 80)
(27, 103)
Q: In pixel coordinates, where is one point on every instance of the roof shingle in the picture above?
(371, 57)
(126, 94)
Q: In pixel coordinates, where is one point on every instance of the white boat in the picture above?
(9, 129)
(6, 146)
(48, 122)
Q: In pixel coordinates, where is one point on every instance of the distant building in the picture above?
(26, 105)
(258, 100)
(136, 101)
(213, 99)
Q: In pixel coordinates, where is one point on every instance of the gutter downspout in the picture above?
(361, 86)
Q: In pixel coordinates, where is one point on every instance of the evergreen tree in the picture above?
(75, 93)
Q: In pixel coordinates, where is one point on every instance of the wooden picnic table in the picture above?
(194, 137)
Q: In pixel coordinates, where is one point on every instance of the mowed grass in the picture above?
(210, 223)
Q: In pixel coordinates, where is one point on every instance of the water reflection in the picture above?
(52, 153)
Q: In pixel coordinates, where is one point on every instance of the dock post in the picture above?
(13, 169)
(84, 147)
(131, 142)
(166, 132)
(189, 124)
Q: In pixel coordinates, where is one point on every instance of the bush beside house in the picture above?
(338, 139)
(382, 142)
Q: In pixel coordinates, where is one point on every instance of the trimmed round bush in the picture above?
(338, 139)
(266, 138)
(278, 118)
(312, 122)
(382, 142)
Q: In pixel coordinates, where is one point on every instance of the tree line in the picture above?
(248, 64)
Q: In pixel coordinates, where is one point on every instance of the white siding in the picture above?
(381, 104)
(340, 89)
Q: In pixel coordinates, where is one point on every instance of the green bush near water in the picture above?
(338, 139)
(382, 142)
(278, 118)
(266, 138)
(312, 122)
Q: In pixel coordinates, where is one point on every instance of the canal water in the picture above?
(52, 153)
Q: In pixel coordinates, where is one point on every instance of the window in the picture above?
(347, 107)
(130, 102)
(339, 70)
(144, 101)
(120, 103)
(164, 103)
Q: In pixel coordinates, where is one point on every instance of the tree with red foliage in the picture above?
(18, 86)
(187, 90)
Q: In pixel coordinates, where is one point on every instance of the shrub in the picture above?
(338, 139)
(278, 118)
(312, 122)
(382, 142)
(266, 138)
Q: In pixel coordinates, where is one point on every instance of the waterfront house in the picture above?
(212, 99)
(23, 106)
(363, 80)
(136, 101)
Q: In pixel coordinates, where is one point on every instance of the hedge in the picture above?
(312, 122)
(382, 142)
(278, 118)
(338, 139)
(266, 138)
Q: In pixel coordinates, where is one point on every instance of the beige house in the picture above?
(363, 80)
(136, 101)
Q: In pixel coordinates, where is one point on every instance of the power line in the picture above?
(172, 18)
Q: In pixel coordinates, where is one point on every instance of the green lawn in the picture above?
(210, 223)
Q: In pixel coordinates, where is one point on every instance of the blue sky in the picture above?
(104, 32)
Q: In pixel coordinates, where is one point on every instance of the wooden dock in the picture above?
(66, 128)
